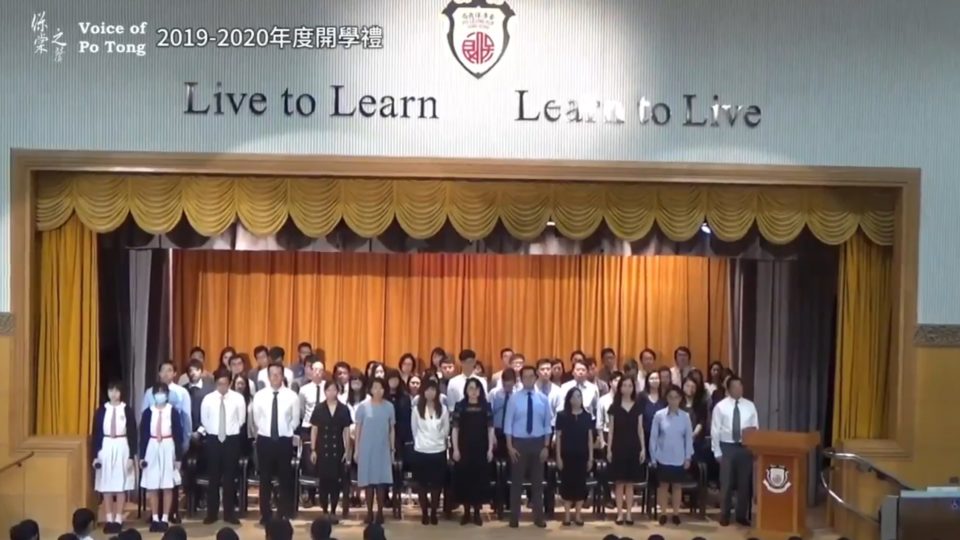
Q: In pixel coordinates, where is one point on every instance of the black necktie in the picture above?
(317, 402)
(735, 431)
(503, 415)
(529, 412)
(275, 418)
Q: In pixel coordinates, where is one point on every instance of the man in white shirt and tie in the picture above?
(732, 417)
(276, 415)
(546, 386)
(311, 394)
(506, 354)
(468, 367)
(222, 415)
(275, 355)
(588, 390)
(682, 367)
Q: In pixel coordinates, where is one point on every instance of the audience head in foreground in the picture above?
(84, 521)
(27, 529)
(374, 531)
(129, 534)
(320, 529)
(227, 533)
(175, 532)
(278, 529)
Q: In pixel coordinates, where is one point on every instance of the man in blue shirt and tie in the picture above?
(527, 429)
(180, 401)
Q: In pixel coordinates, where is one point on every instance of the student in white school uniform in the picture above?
(160, 430)
(114, 442)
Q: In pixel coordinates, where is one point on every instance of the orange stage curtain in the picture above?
(360, 306)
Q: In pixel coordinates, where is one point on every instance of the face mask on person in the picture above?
(160, 399)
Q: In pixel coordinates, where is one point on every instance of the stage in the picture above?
(410, 528)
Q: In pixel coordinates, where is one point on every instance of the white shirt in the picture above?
(308, 400)
(721, 427)
(676, 376)
(552, 391)
(458, 384)
(288, 411)
(210, 412)
(430, 432)
(263, 378)
(603, 410)
(589, 391)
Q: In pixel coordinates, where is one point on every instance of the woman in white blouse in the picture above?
(430, 423)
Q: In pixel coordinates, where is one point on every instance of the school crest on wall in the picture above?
(478, 34)
(777, 479)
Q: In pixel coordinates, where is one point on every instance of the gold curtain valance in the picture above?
(421, 207)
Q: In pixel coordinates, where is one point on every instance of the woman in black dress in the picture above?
(626, 447)
(397, 394)
(575, 429)
(473, 440)
(330, 441)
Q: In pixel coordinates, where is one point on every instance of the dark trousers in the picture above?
(223, 462)
(736, 472)
(528, 468)
(274, 461)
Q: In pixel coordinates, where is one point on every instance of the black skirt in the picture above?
(625, 468)
(672, 474)
(573, 478)
(430, 470)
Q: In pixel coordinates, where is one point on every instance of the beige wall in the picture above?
(51, 484)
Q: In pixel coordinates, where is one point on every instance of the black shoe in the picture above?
(628, 522)
(155, 527)
(743, 522)
(425, 519)
(433, 518)
(232, 520)
(675, 520)
(163, 526)
(724, 522)
(564, 523)
(618, 521)
(662, 520)
(368, 519)
(540, 524)
(578, 522)
(476, 518)
(209, 520)
(465, 519)
(380, 517)
(174, 520)
(514, 524)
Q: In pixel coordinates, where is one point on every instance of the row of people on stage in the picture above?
(633, 415)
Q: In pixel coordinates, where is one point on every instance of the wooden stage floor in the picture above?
(410, 528)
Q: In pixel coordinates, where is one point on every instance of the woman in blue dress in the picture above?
(376, 421)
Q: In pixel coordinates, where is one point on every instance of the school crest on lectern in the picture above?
(478, 34)
(777, 479)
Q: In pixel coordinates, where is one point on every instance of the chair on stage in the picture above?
(196, 482)
(549, 487)
(251, 479)
(648, 502)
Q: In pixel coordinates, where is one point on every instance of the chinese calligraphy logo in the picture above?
(478, 35)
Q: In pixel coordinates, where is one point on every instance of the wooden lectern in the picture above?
(780, 481)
